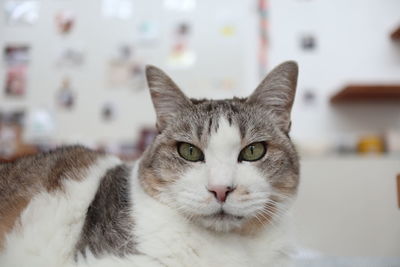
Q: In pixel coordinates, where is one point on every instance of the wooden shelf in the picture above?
(395, 34)
(367, 93)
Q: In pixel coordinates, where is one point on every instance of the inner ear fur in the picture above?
(277, 91)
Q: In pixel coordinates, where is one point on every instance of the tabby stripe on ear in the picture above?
(167, 98)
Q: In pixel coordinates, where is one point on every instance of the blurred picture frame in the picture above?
(21, 12)
(65, 21)
(308, 42)
(16, 54)
(65, 96)
(70, 56)
(16, 80)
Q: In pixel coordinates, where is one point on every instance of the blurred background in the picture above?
(72, 71)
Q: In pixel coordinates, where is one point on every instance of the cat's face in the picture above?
(227, 165)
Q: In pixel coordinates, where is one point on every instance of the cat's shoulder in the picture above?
(49, 172)
(49, 168)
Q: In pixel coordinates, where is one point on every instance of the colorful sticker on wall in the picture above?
(21, 12)
(117, 9)
(148, 32)
(65, 96)
(16, 59)
(228, 30)
(181, 55)
(65, 21)
(227, 21)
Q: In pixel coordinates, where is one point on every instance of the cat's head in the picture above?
(227, 165)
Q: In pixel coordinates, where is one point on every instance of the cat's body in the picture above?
(213, 203)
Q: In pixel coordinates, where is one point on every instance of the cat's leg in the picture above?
(52, 222)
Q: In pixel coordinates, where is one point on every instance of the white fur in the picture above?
(166, 238)
(166, 235)
(50, 226)
(190, 195)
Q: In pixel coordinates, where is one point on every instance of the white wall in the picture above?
(353, 46)
(218, 57)
(348, 207)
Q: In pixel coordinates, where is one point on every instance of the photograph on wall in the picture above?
(16, 54)
(108, 111)
(11, 128)
(21, 12)
(124, 70)
(181, 55)
(138, 76)
(122, 53)
(65, 21)
(128, 75)
(15, 81)
(309, 97)
(70, 56)
(16, 58)
(65, 96)
(148, 32)
(308, 42)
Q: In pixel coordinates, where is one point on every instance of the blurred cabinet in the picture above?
(348, 206)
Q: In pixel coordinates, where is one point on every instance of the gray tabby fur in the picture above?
(108, 224)
(265, 115)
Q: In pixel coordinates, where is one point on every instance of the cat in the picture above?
(213, 189)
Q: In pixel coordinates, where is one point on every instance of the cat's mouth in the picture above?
(223, 215)
(221, 221)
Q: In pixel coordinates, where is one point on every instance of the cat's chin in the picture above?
(221, 221)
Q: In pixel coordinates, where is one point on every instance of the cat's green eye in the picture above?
(190, 152)
(253, 152)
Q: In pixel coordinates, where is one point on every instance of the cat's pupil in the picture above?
(252, 149)
(191, 150)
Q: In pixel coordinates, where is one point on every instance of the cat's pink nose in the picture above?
(220, 192)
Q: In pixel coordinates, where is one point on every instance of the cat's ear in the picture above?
(276, 92)
(167, 98)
